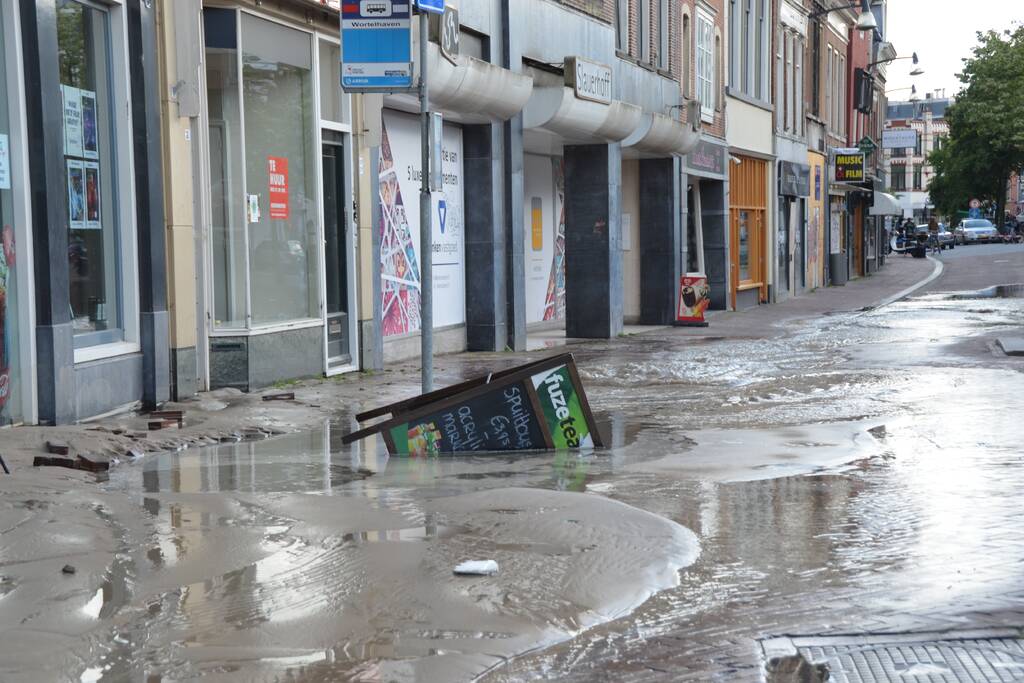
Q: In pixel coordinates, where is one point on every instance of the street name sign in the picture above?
(376, 45)
(589, 80)
(450, 34)
(434, 6)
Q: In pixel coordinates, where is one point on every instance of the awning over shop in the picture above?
(474, 86)
(663, 135)
(476, 90)
(885, 205)
(557, 110)
(842, 188)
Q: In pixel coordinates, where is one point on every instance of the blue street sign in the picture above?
(974, 213)
(435, 6)
(376, 45)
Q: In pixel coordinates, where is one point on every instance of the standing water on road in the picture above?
(855, 469)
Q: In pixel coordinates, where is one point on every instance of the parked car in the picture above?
(974, 230)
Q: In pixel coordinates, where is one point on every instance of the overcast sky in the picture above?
(942, 32)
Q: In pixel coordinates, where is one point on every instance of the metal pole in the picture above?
(426, 233)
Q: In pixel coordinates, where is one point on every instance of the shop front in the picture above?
(707, 224)
(849, 198)
(90, 128)
(791, 236)
(748, 230)
(544, 237)
(814, 262)
(275, 185)
(474, 98)
(16, 381)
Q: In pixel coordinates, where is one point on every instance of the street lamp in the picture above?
(916, 72)
(866, 20)
(912, 89)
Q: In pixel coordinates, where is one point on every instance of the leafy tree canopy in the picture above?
(986, 126)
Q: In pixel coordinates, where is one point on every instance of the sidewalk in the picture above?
(228, 415)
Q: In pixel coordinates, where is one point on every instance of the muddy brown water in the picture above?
(740, 472)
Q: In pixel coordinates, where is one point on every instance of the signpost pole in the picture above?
(426, 232)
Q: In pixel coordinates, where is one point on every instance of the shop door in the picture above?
(336, 253)
(800, 253)
(858, 239)
(782, 255)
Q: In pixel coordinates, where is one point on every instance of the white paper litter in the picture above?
(478, 568)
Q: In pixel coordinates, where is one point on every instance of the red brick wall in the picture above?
(858, 56)
(599, 9)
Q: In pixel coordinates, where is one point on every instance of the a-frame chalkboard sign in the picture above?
(537, 406)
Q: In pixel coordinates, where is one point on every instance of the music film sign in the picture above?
(848, 165)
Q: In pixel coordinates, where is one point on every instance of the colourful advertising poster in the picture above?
(502, 419)
(90, 133)
(543, 238)
(693, 299)
(92, 195)
(76, 194)
(562, 409)
(400, 253)
(277, 185)
(72, 121)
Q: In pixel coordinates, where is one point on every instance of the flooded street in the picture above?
(854, 472)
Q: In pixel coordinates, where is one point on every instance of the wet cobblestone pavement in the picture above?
(776, 474)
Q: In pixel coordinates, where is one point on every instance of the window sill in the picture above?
(102, 351)
(268, 329)
(753, 101)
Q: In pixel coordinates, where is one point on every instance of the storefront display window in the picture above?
(262, 173)
(277, 87)
(90, 174)
(10, 379)
(744, 245)
(226, 201)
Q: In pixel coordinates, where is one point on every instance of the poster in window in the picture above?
(399, 228)
(72, 121)
(90, 143)
(277, 186)
(92, 195)
(76, 194)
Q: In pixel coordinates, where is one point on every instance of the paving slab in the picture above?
(1011, 346)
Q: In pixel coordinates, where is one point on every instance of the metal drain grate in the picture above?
(954, 657)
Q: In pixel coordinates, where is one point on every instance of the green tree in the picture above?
(986, 126)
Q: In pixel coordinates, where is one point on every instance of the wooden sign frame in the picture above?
(407, 411)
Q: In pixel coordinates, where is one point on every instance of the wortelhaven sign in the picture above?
(589, 80)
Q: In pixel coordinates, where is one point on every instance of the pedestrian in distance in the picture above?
(933, 235)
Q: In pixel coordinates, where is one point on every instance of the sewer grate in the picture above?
(956, 657)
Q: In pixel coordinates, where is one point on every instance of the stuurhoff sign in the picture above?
(589, 80)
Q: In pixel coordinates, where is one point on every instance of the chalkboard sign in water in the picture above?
(539, 406)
